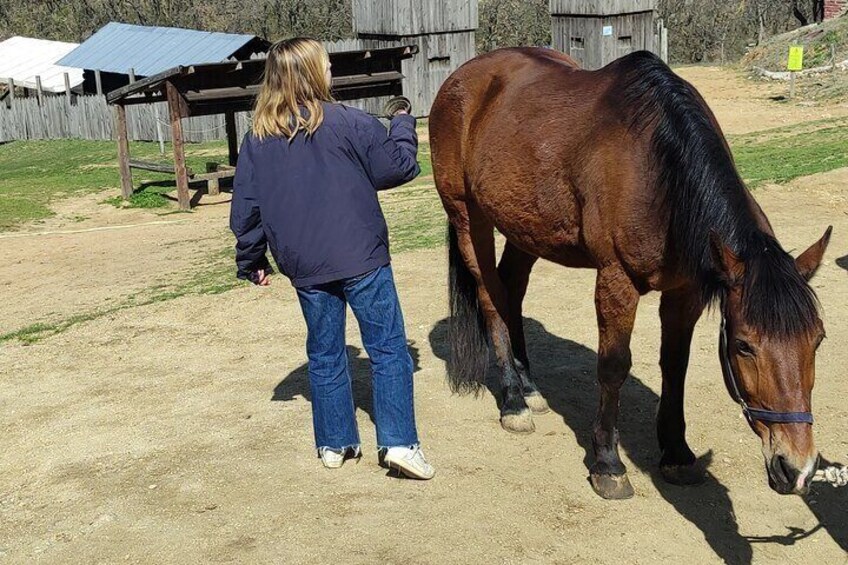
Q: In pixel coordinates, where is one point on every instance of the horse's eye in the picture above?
(744, 349)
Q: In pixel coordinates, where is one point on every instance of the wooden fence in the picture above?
(89, 117)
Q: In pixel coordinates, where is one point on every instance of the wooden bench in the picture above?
(213, 175)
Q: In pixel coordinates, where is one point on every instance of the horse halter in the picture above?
(732, 382)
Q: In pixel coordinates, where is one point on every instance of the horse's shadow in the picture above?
(296, 383)
(843, 262)
(565, 372)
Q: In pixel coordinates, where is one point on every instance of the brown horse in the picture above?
(626, 171)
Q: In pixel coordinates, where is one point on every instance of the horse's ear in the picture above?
(728, 265)
(808, 262)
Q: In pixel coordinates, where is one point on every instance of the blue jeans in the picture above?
(374, 301)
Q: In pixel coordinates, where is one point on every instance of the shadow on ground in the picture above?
(296, 383)
(565, 373)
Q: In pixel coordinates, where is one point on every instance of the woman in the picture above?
(306, 187)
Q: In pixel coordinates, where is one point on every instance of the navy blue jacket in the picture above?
(313, 201)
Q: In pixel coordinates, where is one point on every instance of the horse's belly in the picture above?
(547, 224)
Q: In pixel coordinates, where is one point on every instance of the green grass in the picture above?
(782, 154)
(35, 173)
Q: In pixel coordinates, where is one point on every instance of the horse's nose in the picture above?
(786, 478)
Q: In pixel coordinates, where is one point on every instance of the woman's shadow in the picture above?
(297, 382)
(565, 374)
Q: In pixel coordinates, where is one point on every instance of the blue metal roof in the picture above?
(118, 47)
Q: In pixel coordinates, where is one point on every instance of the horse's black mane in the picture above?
(703, 193)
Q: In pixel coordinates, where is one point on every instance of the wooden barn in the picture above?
(443, 30)
(596, 32)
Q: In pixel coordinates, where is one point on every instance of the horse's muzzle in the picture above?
(785, 478)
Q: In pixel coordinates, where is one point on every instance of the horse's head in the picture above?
(770, 333)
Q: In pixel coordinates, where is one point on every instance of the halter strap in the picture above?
(753, 414)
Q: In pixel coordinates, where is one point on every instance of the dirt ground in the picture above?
(180, 432)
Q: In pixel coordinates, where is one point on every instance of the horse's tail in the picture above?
(469, 351)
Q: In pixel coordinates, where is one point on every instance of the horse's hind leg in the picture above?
(477, 245)
(514, 270)
(679, 312)
(616, 300)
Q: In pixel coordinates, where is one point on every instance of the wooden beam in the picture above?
(157, 167)
(123, 152)
(174, 99)
(232, 137)
(10, 99)
(98, 81)
(68, 88)
(39, 89)
(132, 76)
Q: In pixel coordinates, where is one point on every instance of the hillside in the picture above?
(825, 45)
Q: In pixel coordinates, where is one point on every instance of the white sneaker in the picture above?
(333, 459)
(409, 461)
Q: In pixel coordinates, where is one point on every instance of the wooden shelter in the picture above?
(230, 87)
(596, 32)
(444, 31)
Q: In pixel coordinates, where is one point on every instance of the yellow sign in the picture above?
(796, 58)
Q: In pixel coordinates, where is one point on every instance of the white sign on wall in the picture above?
(607, 31)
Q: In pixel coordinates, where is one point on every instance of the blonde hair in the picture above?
(296, 74)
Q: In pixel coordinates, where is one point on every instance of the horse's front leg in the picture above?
(514, 270)
(679, 312)
(616, 300)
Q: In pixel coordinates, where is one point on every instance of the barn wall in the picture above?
(413, 17)
(582, 37)
(439, 55)
(442, 29)
(600, 7)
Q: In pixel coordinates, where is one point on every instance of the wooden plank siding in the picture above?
(439, 55)
(600, 7)
(413, 17)
(582, 37)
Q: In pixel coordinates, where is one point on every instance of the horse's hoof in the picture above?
(683, 475)
(537, 403)
(521, 423)
(612, 487)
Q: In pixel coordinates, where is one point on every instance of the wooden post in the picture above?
(791, 85)
(132, 75)
(11, 99)
(123, 151)
(99, 82)
(175, 110)
(39, 90)
(68, 89)
(232, 137)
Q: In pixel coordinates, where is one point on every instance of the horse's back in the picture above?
(511, 132)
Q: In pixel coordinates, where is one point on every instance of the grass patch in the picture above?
(782, 154)
(33, 174)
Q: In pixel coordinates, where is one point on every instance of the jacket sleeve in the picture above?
(245, 219)
(391, 158)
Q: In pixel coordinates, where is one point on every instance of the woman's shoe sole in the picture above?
(409, 472)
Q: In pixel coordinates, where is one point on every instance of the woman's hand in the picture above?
(261, 277)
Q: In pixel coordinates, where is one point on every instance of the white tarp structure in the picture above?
(24, 58)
